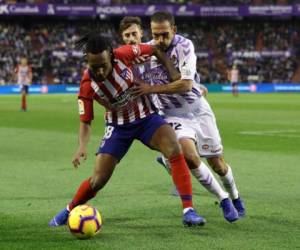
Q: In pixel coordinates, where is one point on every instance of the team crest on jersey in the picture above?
(126, 74)
(81, 107)
(136, 50)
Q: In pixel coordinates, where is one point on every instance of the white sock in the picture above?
(229, 184)
(208, 180)
(187, 209)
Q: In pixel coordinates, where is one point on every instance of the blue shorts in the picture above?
(118, 138)
(24, 88)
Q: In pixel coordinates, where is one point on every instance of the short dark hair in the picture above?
(161, 16)
(92, 42)
(127, 21)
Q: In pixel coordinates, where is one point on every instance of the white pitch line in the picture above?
(280, 133)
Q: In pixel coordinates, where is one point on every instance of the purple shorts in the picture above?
(118, 138)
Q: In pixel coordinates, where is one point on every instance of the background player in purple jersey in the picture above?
(164, 27)
(105, 82)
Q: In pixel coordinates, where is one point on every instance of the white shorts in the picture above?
(199, 125)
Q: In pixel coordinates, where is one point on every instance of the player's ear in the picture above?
(175, 29)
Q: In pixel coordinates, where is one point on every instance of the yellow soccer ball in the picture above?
(84, 221)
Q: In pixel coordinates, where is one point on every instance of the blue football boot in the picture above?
(191, 218)
(229, 211)
(239, 206)
(60, 219)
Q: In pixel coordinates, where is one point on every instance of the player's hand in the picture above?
(204, 90)
(141, 59)
(80, 153)
(141, 88)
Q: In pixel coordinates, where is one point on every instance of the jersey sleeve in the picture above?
(130, 53)
(187, 60)
(85, 101)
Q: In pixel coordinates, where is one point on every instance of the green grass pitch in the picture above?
(261, 137)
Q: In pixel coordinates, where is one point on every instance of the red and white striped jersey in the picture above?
(234, 75)
(23, 74)
(115, 92)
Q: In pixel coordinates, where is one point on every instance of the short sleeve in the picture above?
(187, 61)
(85, 101)
(129, 53)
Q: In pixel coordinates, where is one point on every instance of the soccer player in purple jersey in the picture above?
(108, 81)
(166, 39)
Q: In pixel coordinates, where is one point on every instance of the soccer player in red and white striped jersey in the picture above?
(109, 82)
(24, 78)
(114, 92)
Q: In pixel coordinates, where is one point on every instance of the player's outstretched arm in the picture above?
(179, 86)
(84, 136)
(174, 74)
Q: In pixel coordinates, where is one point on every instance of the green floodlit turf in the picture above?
(261, 135)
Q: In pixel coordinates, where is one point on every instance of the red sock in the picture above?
(182, 179)
(84, 193)
(24, 102)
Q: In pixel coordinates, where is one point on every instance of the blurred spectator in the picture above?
(264, 51)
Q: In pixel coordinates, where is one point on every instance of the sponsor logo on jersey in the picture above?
(123, 99)
(216, 151)
(156, 74)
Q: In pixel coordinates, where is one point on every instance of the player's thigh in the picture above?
(164, 140)
(104, 167)
(186, 131)
(208, 137)
(157, 134)
(180, 128)
(183, 127)
(190, 152)
(116, 141)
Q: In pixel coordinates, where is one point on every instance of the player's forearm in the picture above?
(84, 133)
(179, 86)
(173, 73)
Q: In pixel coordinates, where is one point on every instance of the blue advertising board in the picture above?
(41, 89)
(243, 88)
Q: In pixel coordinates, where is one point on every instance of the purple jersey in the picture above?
(182, 53)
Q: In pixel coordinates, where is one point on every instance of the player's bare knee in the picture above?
(170, 147)
(192, 159)
(218, 165)
(173, 151)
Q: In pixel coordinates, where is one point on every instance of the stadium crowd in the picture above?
(50, 49)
